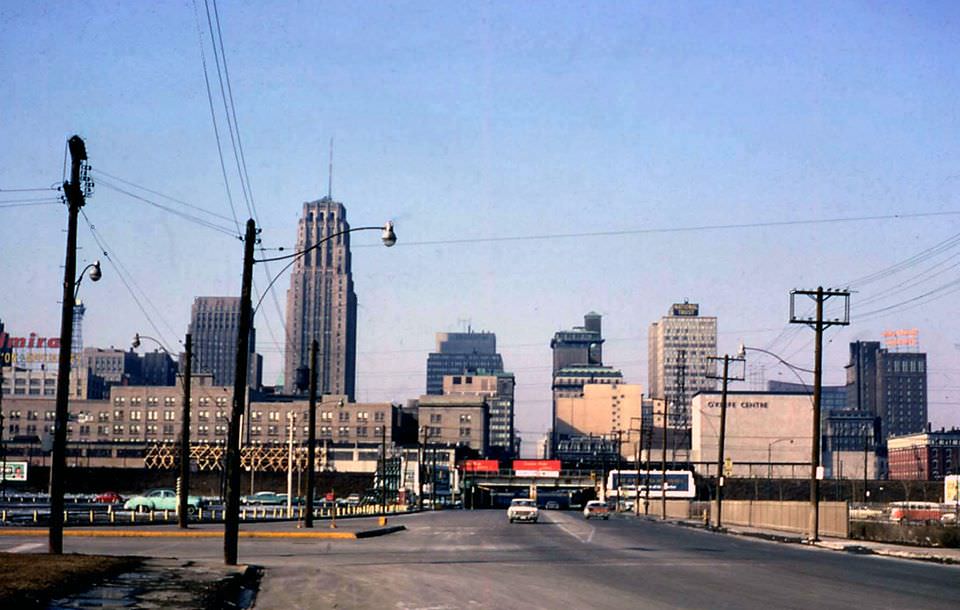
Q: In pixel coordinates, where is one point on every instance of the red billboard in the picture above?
(481, 466)
(536, 468)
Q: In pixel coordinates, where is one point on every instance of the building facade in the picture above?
(215, 326)
(767, 434)
(606, 410)
(454, 420)
(580, 345)
(927, 456)
(679, 347)
(321, 303)
(458, 353)
(498, 388)
(891, 386)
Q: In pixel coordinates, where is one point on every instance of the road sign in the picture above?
(727, 467)
(14, 471)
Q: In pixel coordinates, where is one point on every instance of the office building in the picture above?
(606, 410)
(679, 347)
(498, 388)
(321, 303)
(115, 366)
(458, 353)
(579, 345)
(455, 420)
(215, 326)
(890, 385)
(926, 456)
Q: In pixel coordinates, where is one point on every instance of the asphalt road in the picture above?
(475, 559)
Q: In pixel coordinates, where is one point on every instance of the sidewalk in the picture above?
(848, 545)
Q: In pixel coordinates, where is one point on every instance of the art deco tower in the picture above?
(321, 303)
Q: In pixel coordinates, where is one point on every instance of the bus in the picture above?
(622, 484)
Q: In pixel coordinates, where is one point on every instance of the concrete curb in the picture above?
(856, 549)
(100, 533)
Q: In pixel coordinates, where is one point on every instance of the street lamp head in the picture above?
(742, 351)
(388, 236)
(95, 273)
(136, 341)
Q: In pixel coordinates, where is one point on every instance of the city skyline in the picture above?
(479, 124)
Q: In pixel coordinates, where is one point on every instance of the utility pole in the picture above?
(182, 518)
(231, 517)
(865, 441)
(383, 468)
(663, 467)
(646, 476)
(818, 324)
(3, 445)
(619, 467)
(311, 434)
(723, 427)
(421, 469)
(74, 192)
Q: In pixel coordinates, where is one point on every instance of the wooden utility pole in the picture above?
(73, 191)
(183, 517)
(818, 324)
(383, 468)
(231, 517)
(718, 520)
(311, 435)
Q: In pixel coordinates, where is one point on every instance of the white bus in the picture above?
(624, 484)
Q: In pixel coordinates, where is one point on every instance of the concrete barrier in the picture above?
(786, 516)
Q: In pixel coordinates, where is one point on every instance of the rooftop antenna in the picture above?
(330, 174)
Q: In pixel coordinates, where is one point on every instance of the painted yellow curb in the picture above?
(177, 534)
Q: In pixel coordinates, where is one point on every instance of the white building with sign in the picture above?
(767, 433)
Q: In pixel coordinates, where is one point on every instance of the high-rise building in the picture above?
(679, 346)
(459, 353)
(321, 303)
(890, 385)
(498, 388)
(577, 361)
(215, 326)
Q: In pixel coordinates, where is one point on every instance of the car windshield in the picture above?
(522, 503)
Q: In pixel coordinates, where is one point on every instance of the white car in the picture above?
(523, 509)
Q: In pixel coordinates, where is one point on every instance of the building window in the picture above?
(465, 419)
(203, 415)
(363, 416)
(464, 431)
(117, 429)
(326, 416)
(272, 430)
(435, 418)
(135, 415)
(361, 431)
(168, 429)
(103, 416)
(343, 431)
(220, 430)
(152, 415)
(344, 416)
(221, 416)
(325, 430)
(169, 401)
(378, 416)
(255, 415)
(203, 430)
(274, 416)
(118, 400)
(151, 429)
(169, 415)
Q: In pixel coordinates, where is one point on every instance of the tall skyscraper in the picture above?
(889, 385)
(461, 353)
(215, 325)
(321, 304)
(678, 348)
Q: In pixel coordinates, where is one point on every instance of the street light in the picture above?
(231, 525)
(770, 454)
(183, 489)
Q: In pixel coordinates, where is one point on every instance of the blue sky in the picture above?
(502, 119)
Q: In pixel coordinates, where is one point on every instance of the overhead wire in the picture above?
(163, 195)
(127, 279)
(189, 217)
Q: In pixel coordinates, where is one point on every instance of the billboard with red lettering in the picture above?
(481, 466)
(536, 468)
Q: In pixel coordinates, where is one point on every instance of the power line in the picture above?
(184, 215)
(46, 188)
(26, 203)
(159, 194)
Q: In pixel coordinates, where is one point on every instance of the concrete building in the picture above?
(34, 383)
(580, 345)
(115, 366)
(891, 386)
(159, 369)
(927, 456)
(215, 326)
(679, 346)
(498, 388)
(455, 420)
(767, 434)
(458, 353)
(606, 410)
(322, 304)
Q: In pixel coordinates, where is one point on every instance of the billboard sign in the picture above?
(951, 489)
(536, 468)
(14, 471)
(481, 466)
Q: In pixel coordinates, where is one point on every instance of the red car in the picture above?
(108, 497)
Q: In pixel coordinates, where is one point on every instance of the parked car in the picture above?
(108, 497)
(595, 509)
(523, 509)
(161, 499)
(552, 505)
(264, 498)
(353, 500)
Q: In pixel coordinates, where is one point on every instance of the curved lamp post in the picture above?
(231, 528)
(183, 489)
(770, 454)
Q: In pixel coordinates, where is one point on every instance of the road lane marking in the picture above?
(554, 518)
(27, 546)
